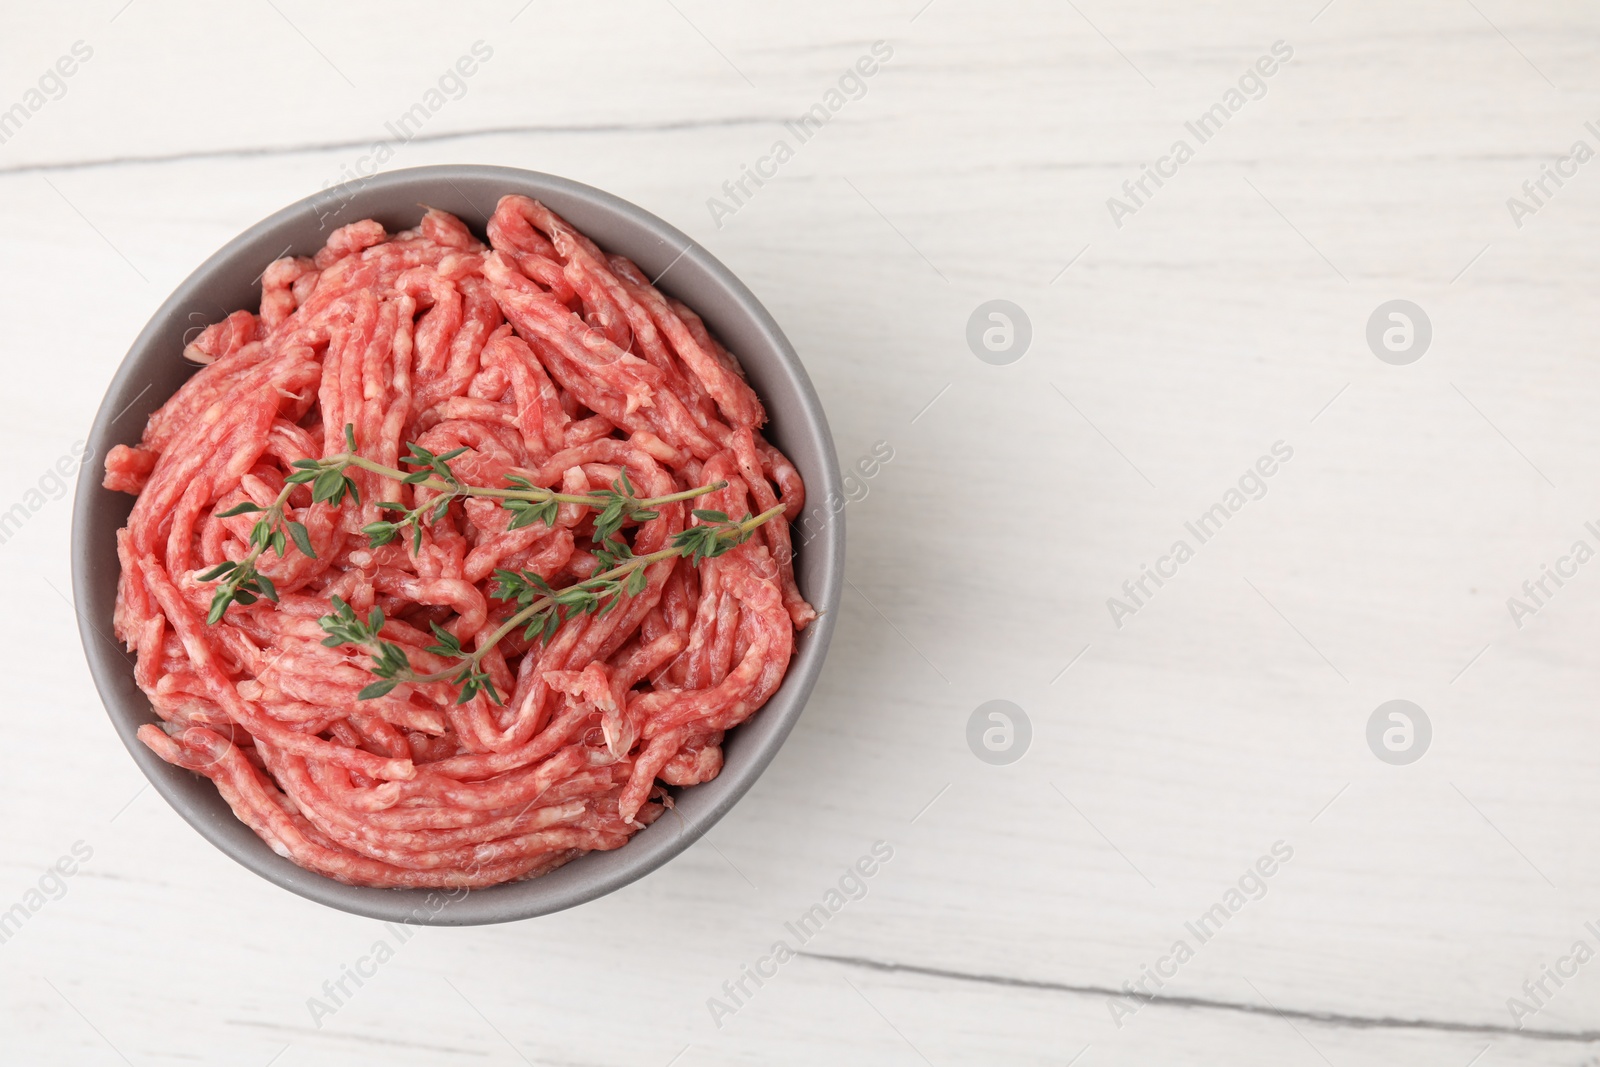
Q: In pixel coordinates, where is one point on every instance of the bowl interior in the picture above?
(229, 280)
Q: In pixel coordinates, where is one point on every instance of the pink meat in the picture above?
(544, 358)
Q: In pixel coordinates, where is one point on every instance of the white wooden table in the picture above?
(1168, 755)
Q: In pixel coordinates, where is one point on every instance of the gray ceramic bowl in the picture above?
(229, 280)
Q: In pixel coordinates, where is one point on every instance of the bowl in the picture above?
(154, 368)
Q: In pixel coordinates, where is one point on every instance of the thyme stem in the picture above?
(541, 614)
(534, 494)
(329, 481)
(615, 574)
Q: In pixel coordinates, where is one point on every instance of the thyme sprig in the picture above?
(541, 609)
(528, 503)
(330, 481)
(241, 582)
(390, 664)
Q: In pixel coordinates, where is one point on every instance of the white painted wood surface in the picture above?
(1226, 314)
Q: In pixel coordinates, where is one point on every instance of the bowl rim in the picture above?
(111, 668)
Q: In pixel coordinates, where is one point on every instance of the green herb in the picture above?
(240, 581)
(331, 483)
(541, 609)
(527, 503)
(388, 659)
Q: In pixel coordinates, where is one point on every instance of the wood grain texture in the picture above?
(1168, 754)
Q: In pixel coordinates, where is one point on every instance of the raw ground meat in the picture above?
(542, 356)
